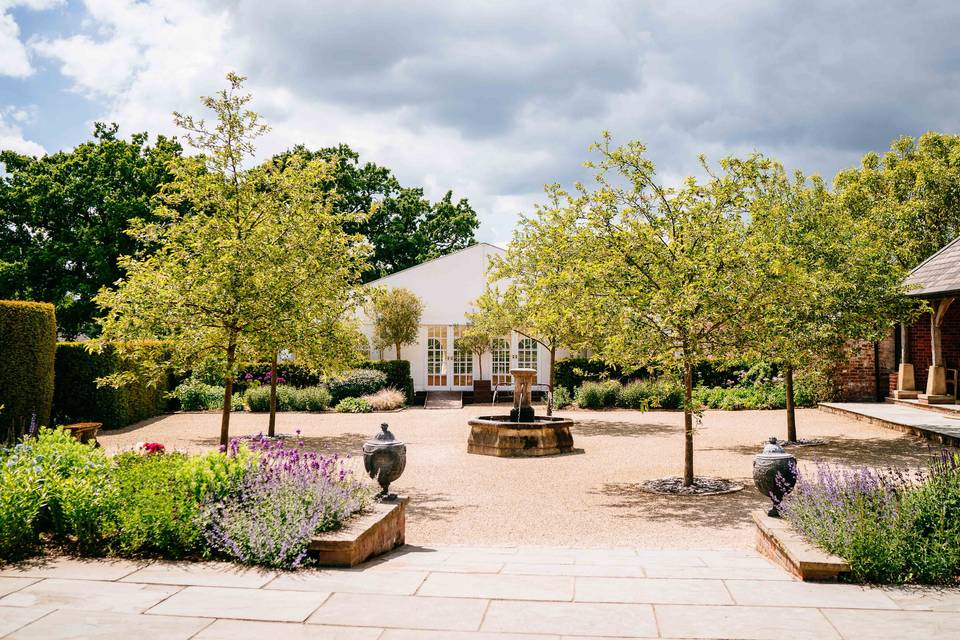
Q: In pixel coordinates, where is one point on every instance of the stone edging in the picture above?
(373, 533)
(780, 543)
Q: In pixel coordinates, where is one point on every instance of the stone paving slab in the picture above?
(89, 595)
(201, 574)
(410, 612)
(249, 630)
(748, 623)
(243, 604)
(572, 618)
(74, 568)
(465, 593)
(929, 424)
(652, 591)
(895, 625)
(91, 625)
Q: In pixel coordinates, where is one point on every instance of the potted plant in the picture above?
(477, 342)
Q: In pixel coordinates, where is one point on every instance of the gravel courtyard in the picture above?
(587, 498)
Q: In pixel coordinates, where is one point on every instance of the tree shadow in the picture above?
(589, 428)
(136, 425)
(344, 444)
(730, 510)
(432, 506)
(905, 451)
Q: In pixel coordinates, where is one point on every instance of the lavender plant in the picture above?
(287, 497)
(891, 525)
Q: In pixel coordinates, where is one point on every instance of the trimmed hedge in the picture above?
(78, 399)
(28, 340)
(398, 375)
(571, 373)
(356, 383)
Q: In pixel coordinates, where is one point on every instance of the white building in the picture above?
(448, 285)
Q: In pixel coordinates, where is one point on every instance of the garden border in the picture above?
(370, 534)
(782, 545)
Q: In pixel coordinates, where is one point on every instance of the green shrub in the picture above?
(294, 375)
(78, 399)
(52, 480)
(158, 509)
(571, 373)
(28, 339)
(562, 398)
(598, 395)
(194, 395)
(288, 398)
(356, 383)
(398, 375)
(755, 396)
(354, 405)
(891, 526)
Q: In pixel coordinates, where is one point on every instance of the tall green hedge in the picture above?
(28, 338)
(398, 374)
(78, 399)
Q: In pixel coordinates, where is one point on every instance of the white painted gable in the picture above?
(448, 285)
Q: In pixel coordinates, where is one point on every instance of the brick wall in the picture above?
(920, 350)
(856, 380)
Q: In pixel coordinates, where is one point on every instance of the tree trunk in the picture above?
(687, 424)
(553, 355)
(791, 407)
(228, 392)
(398, 351)
(272, 425)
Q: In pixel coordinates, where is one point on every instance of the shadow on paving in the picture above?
(907, 451)
(727, 510)
(588, 428)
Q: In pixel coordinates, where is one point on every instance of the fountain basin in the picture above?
(505, 438)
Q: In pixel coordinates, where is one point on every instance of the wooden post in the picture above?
(936, 377)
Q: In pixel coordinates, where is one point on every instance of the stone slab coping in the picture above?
(777, 540)
(370, 534)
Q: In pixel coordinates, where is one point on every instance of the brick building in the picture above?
(919, 360)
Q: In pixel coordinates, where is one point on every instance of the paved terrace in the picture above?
(464, 593)
(941, 426)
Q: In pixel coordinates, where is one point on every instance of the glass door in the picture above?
(462, 362)
(500, 361)
(437, 357)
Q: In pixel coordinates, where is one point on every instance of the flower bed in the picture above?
(891, 526)
(257, 502)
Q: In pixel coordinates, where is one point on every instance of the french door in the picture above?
(500, 361)
(437, 357)
(448, 366)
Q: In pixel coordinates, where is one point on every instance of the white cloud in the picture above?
(11, 134)
(495, 99)
(14, 58)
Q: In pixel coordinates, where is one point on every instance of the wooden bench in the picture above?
(84, 431)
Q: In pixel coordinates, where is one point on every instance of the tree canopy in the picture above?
(396, 314)
(404, 227)
(260, 258)
(64, 217)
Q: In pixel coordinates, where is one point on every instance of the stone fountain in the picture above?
(522, 434)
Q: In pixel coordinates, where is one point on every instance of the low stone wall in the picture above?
(781, 544)
(381, 529)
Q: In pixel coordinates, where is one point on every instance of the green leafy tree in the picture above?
(64, 217)
(477, 341)
(911, 193)
(530, 286)
(396, 314)
(216, 281)
(667, 274)
(404, 228)
(829, 278)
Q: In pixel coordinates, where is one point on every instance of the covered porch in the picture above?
(928, 350)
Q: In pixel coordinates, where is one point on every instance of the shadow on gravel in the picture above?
(589, 428)
(345, 444)
(628, 500)
(906, 451)
(425, 506)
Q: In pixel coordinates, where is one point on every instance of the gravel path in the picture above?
(587, 498)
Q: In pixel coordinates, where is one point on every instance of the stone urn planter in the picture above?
(384, 458)
(775, 474)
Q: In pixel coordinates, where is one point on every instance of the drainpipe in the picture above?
(876, 370)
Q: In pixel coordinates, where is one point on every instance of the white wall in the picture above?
(448, 286)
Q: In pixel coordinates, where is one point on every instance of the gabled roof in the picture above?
(430, 263)
(938, 275)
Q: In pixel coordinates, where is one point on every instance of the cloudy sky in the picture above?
(494, 99)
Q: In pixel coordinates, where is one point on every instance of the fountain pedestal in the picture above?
(521, 434)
